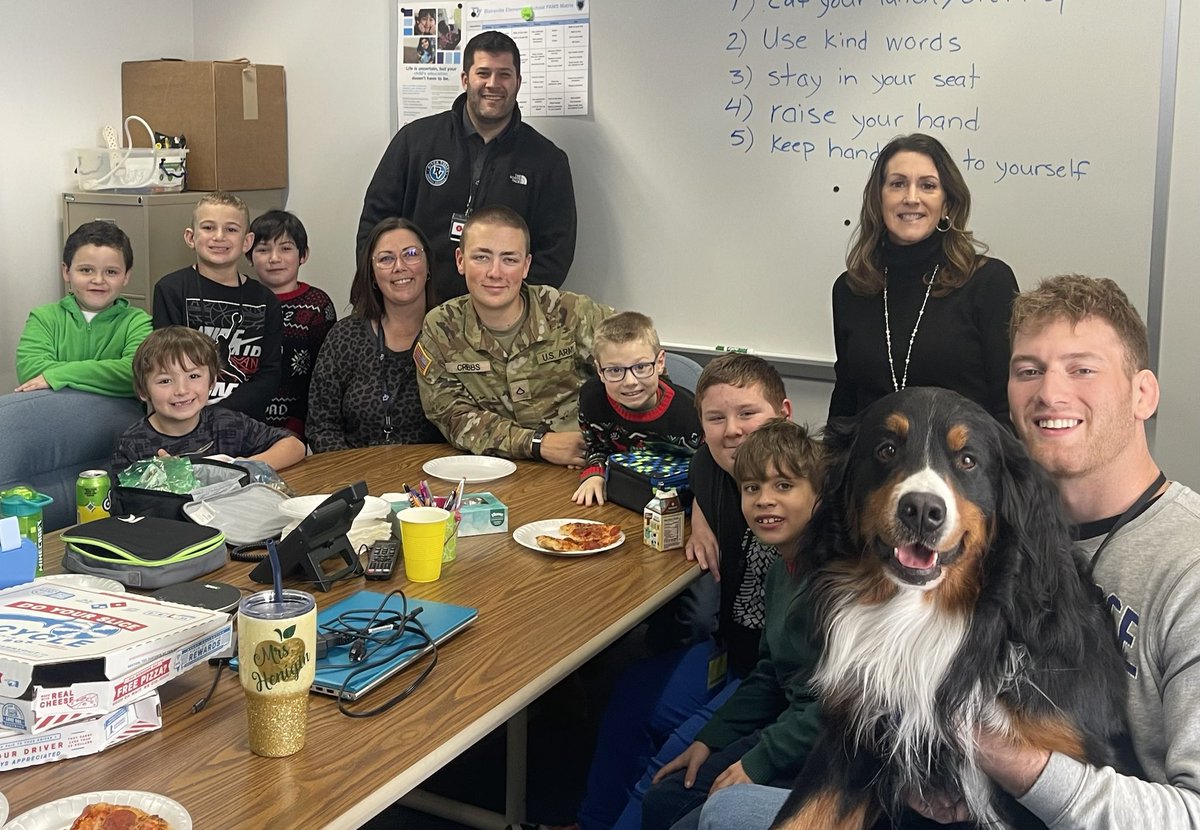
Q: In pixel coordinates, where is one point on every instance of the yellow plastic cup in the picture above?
(423, 535)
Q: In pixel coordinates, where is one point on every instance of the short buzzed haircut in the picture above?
(785, 445)
(172, 345)
(626, 327)
(742, 370)
(220, 197)
(1074, 298)
(501, 215)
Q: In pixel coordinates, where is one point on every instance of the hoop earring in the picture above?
(949, 225)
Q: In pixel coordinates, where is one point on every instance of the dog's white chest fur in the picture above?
(883, 665)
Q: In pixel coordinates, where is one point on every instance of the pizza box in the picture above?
(83, 737)
(77, 653)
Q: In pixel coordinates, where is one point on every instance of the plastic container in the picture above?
(26, 505)
(135, 169)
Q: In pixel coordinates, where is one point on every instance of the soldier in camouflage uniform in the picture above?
(499, 370)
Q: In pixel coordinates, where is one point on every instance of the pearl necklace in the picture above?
(897, 385)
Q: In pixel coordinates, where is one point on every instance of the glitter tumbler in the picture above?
(276, 662)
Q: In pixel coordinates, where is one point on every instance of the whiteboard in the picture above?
(717, 185)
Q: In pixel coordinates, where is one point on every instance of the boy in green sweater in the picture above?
(87, 339)
(763, 733)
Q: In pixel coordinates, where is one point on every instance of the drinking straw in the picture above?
(276, 571)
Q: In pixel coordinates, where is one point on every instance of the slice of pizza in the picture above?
(593, 535)
(103, 816)
(559, 544)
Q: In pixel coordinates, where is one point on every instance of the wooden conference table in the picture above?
(540, 617)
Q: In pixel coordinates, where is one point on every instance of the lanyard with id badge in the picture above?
(386, 396)
(459, 220)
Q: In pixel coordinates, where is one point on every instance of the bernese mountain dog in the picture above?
(951, 599)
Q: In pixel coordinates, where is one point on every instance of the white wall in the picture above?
(1177, 434)
(336, 57)
(60, 82)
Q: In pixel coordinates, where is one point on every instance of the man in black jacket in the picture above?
(438, 169)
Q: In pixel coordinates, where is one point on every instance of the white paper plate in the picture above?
(476, 469)
(85, 581)
(60, 814)
(527, 535)
(3, 809)
(300, 506)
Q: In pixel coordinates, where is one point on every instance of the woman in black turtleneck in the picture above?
(913, 248)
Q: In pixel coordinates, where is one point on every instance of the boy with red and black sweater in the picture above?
(280, 248)
(630, 405)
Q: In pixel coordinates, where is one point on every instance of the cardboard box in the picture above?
(69, 653)
(234, 115)
(85, 737)
(482, 513)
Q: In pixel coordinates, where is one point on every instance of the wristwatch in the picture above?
(535, 448)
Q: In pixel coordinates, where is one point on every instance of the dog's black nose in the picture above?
(921, 512)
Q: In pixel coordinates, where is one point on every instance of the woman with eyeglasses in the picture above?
(919, 303)
(364, 387)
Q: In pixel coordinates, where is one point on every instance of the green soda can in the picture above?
(93, 498)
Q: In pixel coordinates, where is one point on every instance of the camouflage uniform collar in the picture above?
(534, 328)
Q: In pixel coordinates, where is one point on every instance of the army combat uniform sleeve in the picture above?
(490, 402)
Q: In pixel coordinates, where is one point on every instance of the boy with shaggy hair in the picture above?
(173, 372)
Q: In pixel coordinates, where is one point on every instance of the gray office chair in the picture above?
(683, 371)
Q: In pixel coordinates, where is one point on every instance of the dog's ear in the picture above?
(838, 437)
(827, 522)
(1033, 530)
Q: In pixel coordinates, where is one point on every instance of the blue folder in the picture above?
(441, 621)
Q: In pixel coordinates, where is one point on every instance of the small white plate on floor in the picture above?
(476, 469)
(84, 581)
(61, 814)
(527, 535)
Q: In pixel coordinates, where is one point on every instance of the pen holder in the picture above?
(450, 546)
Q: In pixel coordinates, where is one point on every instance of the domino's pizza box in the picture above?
(76, 653)
(83, 737)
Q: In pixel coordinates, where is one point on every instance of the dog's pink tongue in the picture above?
(917, 557)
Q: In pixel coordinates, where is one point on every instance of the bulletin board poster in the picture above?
(429, 48)
(553, 38)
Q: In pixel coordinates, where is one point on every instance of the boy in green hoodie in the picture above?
(87, 339)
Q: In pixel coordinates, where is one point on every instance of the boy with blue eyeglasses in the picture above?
(631, 405)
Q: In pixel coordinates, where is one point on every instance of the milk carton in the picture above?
(662, 521)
